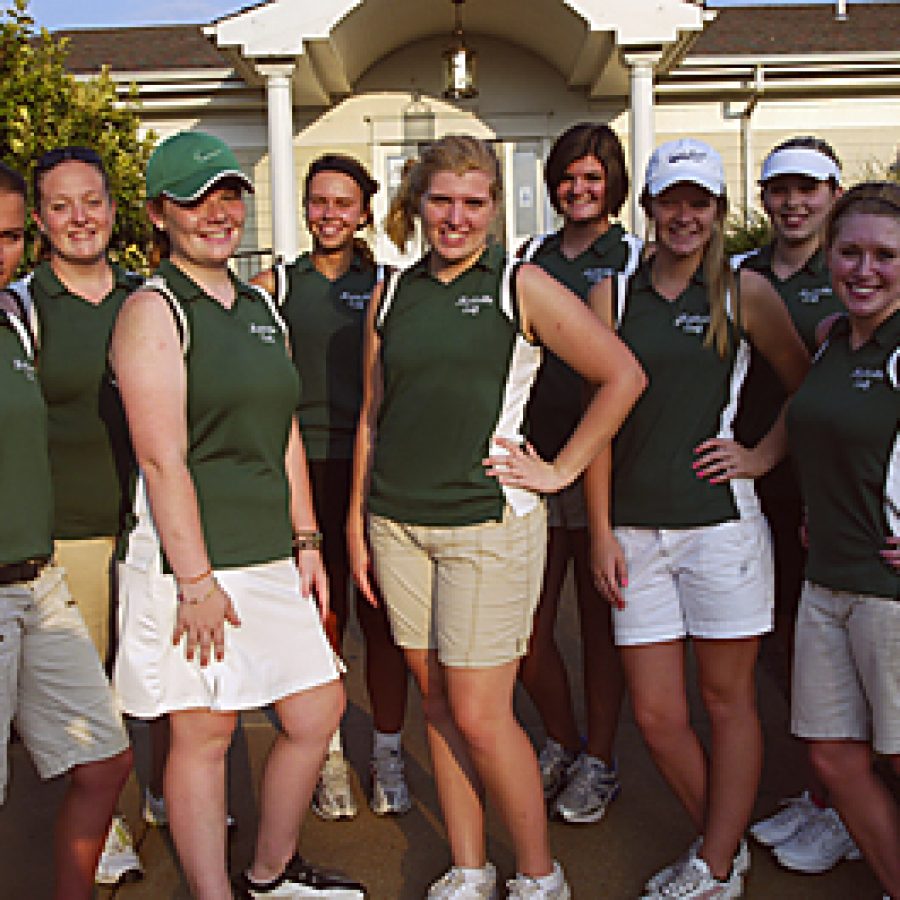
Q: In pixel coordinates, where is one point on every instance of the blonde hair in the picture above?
(720, 280)
(457, 153)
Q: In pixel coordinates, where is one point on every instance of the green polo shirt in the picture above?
(690, 398)
(26, 503)
(447, 360)
(242, 391)
(326, 321)
(90, 452)
(842, 424)
(808, 296)
(557, 401)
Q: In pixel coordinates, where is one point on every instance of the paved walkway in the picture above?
(397, 858)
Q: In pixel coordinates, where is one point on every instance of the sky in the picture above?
(55, 14)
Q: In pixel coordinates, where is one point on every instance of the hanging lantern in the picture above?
(459, 62)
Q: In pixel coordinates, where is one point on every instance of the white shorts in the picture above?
(279, 649)
(847, 668)
(710, 581)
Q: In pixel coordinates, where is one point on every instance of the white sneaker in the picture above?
(819, 846)
(551, 887)
(390, 792)
(784, 824)
(692, 880)
(153, 810)
(554, 761)
(465, 884)
(333, 797)
(300, 879)
(119, 862)
(740, 865)
(590, 787)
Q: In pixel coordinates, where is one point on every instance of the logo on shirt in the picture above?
(691, 323)
(356, 302)
(597, 274)
(25, 367)
(471, 306)
(864, 378)
(268, 334)
(814, 295)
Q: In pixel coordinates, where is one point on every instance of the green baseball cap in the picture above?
(187, 164)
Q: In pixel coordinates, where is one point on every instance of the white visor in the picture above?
(800, 161)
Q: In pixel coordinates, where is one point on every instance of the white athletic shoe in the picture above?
(465, 884)
(553, 887)
(692, 880)
(784, 824)
(333, 797)
(119, 863)
(739, 866)
(390, 792)
(300, 879)
(591, 786)
(554, 761)
(818, 846)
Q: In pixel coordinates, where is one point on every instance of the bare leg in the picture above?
(387, 676)
(83, 822)
(725, 673)
(458, 785)
(867, 807)
(481, 703)
(195, 797)
(604, 680)
(308, 720)
(543, 672)
(655, 675)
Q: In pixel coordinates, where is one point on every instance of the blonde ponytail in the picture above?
(720, 283)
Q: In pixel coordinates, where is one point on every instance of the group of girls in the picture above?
(436, 406)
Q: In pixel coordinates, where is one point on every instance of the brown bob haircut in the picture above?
(588, 139)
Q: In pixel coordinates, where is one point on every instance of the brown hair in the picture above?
(720, 280)
(588, 139)
(11, 182)
(455, 153)
(877, 198)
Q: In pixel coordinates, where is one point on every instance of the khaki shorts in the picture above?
(567, 508)
(708, 581)
(89, 572)
(467, 591)
(51, 681)
(847, 668)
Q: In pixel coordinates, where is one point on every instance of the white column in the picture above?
(641, 127)
(282, 181)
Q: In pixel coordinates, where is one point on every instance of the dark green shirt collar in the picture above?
(492, 259)
(642, 279)
(303, 264)
(612, 236)
(762, 262)
(185, 288)
(886, 335)
(48, 282)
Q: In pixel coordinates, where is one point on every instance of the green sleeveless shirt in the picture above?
(325, 320)
(557, 401)
(242, 391)
(456, 372)
(26, 503)
(692, 396)
(843, 427)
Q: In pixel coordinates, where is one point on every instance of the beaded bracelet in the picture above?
(201, 599)
(196, 579)
(307, 540)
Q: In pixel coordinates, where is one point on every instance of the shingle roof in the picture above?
(737, 31)
(141, 49)
(792, 30)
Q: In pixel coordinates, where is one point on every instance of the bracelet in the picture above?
(201, 599)
(196, 579)
(307, 540)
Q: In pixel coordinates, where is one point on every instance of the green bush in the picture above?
(741, 236)
(42, 107)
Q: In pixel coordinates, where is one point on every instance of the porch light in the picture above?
(459, 62)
